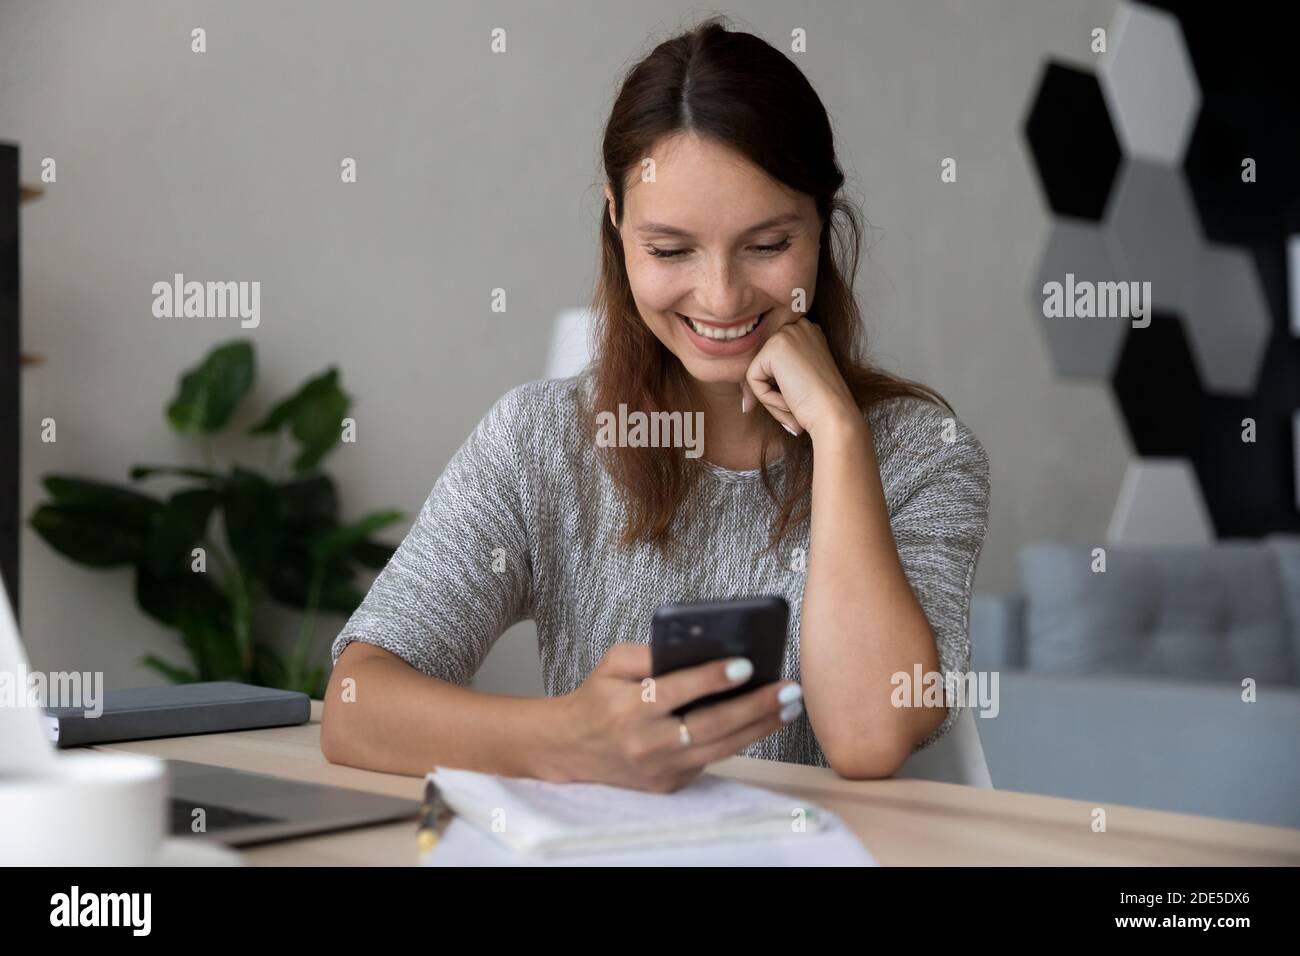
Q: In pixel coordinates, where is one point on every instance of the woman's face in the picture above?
(706, 260)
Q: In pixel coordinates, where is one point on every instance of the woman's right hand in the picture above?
(620, 728)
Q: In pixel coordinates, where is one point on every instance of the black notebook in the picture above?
(176, 710)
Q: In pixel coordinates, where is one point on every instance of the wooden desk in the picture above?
(902, 822)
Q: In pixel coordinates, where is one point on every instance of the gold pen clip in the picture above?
(435, 816)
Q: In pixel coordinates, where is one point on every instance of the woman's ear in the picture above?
(609, 198)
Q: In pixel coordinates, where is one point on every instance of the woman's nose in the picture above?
(722, 291)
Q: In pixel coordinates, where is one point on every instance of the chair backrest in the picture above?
(956, 757)
(570, 348)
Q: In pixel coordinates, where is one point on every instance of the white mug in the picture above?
(88, 809)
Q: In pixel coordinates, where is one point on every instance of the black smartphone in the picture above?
(683, 635)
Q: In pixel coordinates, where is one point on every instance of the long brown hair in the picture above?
(741, 92)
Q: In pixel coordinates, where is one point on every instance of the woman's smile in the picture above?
(724, 339)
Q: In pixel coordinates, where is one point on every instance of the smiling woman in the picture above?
(725, 291)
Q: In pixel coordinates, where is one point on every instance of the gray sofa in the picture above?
(1125, 686)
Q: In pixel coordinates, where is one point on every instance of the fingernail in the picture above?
(744, 405)
(789, 693)
(739, 669)
(790, 711)
(790, 430)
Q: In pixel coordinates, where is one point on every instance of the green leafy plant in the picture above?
(280, 534)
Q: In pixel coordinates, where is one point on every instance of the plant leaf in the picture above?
(268, 667)
(252, 516)
(314, 415)
(192, 604)
(210, 391)
(214, 640)
(178, 528)
(148, 471)
(163, 598)
(126, 507)
(308, 501)
(88, 537)
(290, 581)
(177, 675)
(344, 538)
(373, 554)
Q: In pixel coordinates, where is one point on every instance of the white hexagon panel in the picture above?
(1227, 320)
(1152, 232)
(1160, 506)
(1149, 84)
(1080, 347)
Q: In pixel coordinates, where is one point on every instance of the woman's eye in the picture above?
(665, 253)
(674, 253)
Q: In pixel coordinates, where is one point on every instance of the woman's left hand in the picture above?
(795, 378)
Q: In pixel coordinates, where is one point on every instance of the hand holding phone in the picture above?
(685, 635)
(613, 732)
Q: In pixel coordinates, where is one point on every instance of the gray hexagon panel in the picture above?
(1079, 347)
(1149, 84)
(1152, 232)
(1227, 320)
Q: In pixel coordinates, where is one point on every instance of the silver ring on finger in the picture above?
(683, 734)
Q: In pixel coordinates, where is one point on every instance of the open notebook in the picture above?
(537, 818)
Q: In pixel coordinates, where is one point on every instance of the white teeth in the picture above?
(722, 335)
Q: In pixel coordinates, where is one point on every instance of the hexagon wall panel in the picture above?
(1158, 389)
(1228, 320)
(1146, 77)
(1153, 233)
(1159, 505)
(1073, 143)
(1214, 243)
(1079, 348)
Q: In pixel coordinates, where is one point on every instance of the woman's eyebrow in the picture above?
(663, 229)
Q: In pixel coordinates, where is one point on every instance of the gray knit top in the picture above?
(524, 523)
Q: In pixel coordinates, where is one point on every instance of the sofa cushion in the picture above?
(1170, 745)
(1198, 613)
(997, 632)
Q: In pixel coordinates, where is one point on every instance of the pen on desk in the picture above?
(435, 816)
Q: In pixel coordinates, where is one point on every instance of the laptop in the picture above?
(239, 808)
(242, 808)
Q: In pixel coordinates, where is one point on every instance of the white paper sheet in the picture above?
(530, 814)
(505, 821)
(834, 845)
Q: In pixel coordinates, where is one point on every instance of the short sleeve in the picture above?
(462, 575)
(937, 475)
